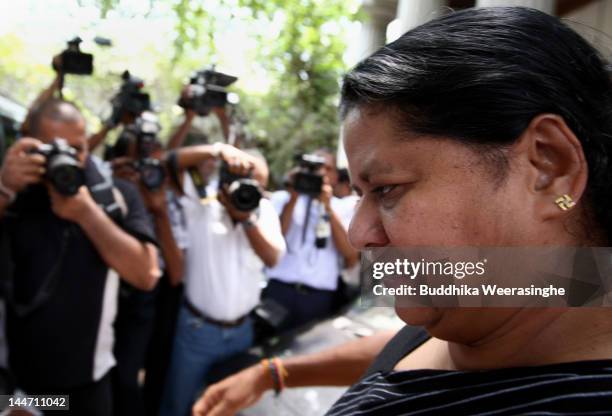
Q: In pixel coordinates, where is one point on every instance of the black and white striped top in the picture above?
(576, 388)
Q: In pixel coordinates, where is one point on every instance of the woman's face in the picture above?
(422, 191)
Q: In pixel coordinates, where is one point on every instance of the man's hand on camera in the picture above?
(56, 62)
(71, 208)
(22, 168)
(190, 115)
(238, 162)
(327, 191)
(235, 214)
(293, 194)
(235, 393)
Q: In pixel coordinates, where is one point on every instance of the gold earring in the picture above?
(565, 202)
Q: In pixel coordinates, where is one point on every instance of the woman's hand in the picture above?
(235, 393)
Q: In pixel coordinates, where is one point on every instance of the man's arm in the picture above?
(260, 232)
(239, 162)
(340, 237)
(20, 169)
(156, 204)
(132, 259)
(97, 138)
(267, 251)
(339, 233)
(172, 254)
(287, 213)
(45, 95)
(342, 365)
(178, 137)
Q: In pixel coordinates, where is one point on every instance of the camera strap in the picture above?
(306, 219)
(104, 193)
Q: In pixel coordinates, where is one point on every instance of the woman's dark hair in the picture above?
(481, 75)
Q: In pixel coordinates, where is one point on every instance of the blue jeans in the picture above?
(197, 346)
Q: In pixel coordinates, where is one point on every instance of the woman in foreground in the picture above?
(464, 132)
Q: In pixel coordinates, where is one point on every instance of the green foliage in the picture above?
(305, 62)
(300, 48)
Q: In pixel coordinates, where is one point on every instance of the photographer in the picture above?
(314, 224)
(127, 104)
(67, 227)
(182, 131)
(232, 236)
(145, 320)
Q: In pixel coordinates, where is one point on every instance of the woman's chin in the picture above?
(419, 316)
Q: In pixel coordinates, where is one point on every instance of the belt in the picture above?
(226, 324)
(302, 288)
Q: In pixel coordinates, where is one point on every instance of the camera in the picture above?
(142, 133)
(130, 99)
(307, 180)
(244, 192)
(152, 173)
(62, 168)
(74, 61)
(208, 89)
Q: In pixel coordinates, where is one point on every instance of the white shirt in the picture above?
(223, 273)
(304, 262)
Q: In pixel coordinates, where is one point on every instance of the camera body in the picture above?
(244, 192)
(143, 134)
(208, 89)
(152, 173)
(130, 99)
(74, 61)
(62, 167)
(307, 180)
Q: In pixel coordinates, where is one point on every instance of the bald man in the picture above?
(66, 254)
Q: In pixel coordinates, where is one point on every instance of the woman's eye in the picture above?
(384, 190)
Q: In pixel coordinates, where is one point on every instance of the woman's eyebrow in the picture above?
(373, 167)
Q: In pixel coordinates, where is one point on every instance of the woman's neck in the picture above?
(538, 337)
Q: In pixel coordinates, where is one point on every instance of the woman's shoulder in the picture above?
(403, 343)
(582, 387)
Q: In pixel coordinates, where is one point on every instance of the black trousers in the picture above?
(305, 305)
(95, 399)
(167, 304)
(133, 328)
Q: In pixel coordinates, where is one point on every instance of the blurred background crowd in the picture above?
(207, 133)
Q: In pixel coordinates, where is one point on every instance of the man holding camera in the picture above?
(144, 327)
(314, 224)
(232, 236)
(68, 231)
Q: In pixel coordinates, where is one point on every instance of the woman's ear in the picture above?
(557, 165)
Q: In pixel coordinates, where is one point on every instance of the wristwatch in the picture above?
(250, 222)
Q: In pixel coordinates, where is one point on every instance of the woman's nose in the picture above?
(366, 229)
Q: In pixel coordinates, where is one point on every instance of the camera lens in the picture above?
(65, 174)
(152, 174)
(245, 194)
